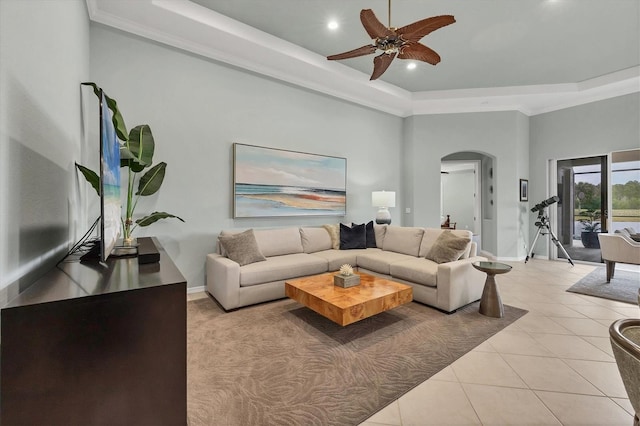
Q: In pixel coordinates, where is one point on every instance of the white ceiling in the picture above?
(531, 56)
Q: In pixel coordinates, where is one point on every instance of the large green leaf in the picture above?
(125, 154)
(91, 177)
(154, 217)
(151, 181)
(141, 145)
(118, 120)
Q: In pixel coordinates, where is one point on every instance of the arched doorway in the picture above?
(467, 196)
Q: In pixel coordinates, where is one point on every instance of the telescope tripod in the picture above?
(543, 224)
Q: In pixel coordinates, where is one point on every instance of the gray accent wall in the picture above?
(587, 130)
(503, 136)
(198, 108)
(44, 55)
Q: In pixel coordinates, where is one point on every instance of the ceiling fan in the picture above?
(400, 42)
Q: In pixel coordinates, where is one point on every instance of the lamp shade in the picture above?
(383, 199)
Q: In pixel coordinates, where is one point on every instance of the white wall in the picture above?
(501, 135)
(583, 131)
(44, 55)
(198, 108)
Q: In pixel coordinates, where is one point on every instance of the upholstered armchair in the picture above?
(618, 248)
(625, 342)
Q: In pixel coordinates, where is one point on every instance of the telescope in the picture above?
(544, 228)
(542, 204)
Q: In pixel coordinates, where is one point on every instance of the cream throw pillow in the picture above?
(334, 233)
(242, 248)
(447, 248)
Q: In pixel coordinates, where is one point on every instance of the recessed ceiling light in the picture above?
(332, 25)
(411, 65)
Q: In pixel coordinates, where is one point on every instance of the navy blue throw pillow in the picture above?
(352, 238)
(370, 235)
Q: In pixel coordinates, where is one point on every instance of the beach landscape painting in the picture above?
(271, 182)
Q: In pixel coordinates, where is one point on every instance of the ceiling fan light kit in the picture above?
(401, 42)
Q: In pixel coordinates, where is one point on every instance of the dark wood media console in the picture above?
(93, 343)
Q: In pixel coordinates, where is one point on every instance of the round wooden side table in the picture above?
(491, 303)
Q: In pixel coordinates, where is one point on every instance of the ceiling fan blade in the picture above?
(414, 32)
(381, 63)
(373, 26)
(419, 52)
(360, 51)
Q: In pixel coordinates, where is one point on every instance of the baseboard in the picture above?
(195, 289)
(511, 259)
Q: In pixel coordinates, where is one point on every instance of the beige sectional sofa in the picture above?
(399, 254)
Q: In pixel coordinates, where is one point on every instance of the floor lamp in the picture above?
(383, 200)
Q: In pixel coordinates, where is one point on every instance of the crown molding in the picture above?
(196, 29)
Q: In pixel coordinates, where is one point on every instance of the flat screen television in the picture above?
(110, 205)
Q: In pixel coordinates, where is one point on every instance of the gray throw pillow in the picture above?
(447, 248)
(242, 248)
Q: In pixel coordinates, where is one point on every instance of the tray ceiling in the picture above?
(532, 56)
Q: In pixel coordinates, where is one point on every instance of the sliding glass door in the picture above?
(582, 211)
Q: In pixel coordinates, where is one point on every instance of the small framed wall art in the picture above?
(524, 190)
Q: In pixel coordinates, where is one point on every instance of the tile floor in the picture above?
(553, 366)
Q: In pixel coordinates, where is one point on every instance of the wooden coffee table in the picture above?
(347, 305)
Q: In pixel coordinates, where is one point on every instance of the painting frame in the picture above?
(274, 182)
(524, 190)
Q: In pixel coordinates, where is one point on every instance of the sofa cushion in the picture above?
(380, 261)
(405, 240)
(336, 258)
(334, 232)
(315, 239)
(448, 247)
(278, 268)
(380, 231)
(277, 242)
(352, 237)
(419, 270)
(242, 248)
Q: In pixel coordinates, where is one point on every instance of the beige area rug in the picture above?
(624, 285)
(280, 363)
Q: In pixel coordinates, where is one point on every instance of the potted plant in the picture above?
(590, 228)
(136, 154)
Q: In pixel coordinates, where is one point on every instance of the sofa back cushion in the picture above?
(277, 242)
(315, 239)
(432, 234)
(405, 240)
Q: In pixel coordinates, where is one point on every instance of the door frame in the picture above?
(605, 204)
